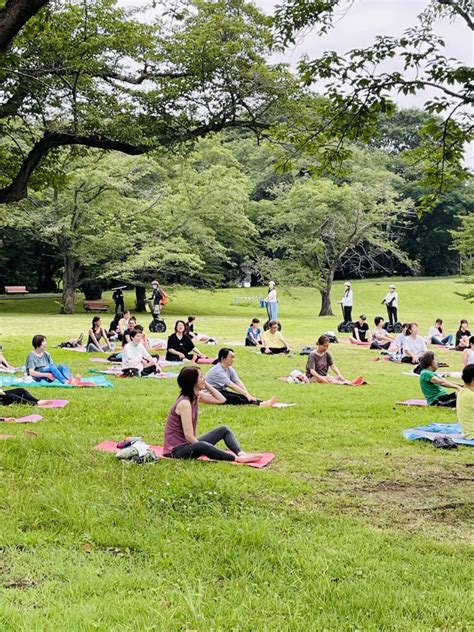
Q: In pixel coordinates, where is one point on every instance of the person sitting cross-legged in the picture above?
(181, 440)
(320, 361)
(273, 341)
(223, 377)
(432, 384)
(135, 358)
(465, 402)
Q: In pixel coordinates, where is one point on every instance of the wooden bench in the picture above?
(95, 306)
(16, 289)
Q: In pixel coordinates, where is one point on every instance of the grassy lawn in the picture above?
(350, 528)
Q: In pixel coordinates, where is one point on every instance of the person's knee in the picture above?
(223, 429)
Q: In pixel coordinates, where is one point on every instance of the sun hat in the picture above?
(390, 287)
(347, 283)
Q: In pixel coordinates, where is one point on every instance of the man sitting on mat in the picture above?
(320, 361)
(273, 341)
(223, 377)
(465, 402)
(432, 384)
(361, 329)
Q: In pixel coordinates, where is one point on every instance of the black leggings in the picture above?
(275, 350)
(249, 342)
(235, 399)
(392, 313)
(448, 400)
(347, 313)
(205, 446)
(17, 396)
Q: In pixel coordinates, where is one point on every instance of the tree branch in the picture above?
(460, 11)
(13, 17)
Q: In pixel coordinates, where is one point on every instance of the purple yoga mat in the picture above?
(55, 403)
(29, 419)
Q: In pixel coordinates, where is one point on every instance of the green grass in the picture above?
(350, 528)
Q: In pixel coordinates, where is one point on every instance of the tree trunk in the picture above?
(140, 298)
(71, 276)
(326, 309)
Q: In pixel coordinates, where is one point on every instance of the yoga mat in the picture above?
(6, 436)
(92, 381)
(163, 375)
(55, 403)
(413, 402)
(14, 369)
(111, 446)
(353, 341)
(284, 378)
(206, 360)
(29, 419)
(431, 431)
(282, 405)
(100, 360)
(77, 349)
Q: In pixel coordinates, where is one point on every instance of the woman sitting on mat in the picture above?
(114, 332)
(253, 337)
(465, 403)
(273, 341)
(180, 440)
(432, 384)
(320, 361)
(180, 346)
(436, 335)
(131, 324)
(20, 396)
(96, 334)
(462, 336)
(380, 338)
(468, 354)
(40, 366)
(223, 377)
(135, 358)
(194, 334)
(414, 346)
(123, 322)
(361, 329)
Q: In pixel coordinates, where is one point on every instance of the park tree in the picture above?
(92, 74)
(359, 88)
(322, 226)
(463, 239)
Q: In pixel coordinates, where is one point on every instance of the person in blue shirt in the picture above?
(253, 336)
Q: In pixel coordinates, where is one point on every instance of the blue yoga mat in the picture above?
(11, 380)
(431, 431)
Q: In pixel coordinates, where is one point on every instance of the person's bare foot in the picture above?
(45, 402)
(268, 403)
(247, 457)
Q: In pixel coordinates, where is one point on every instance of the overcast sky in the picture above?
(364, 20)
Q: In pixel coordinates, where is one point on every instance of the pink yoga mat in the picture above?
(100, 360)
(55, 403)
(5, 436)
(413, 402)
(111, 446)
(29, 419)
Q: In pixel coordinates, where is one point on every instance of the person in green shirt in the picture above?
(432, 384)
(465, 403)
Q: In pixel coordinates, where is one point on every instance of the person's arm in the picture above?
(265, 344)
(465, 357)
(104, 333)
(335, 370)
(184, 410)
(239, 387)
(195, 350)
(356, 333)
(441, 382)
(35, 373)
(212, 397)
(285, 343)
(174, 352)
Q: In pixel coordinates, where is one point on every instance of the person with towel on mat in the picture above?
(180, 437)
(320, 361)
(223, 377)
(20, 396)
(432, 384)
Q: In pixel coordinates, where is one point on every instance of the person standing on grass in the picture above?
(180, 437)
(347, 302)
(320, 361)
(273, 341)
(223, 377)
(391, 302)
(465, 402)
(433, 386)
(271, 301)
(436, 334)
(361, 329)
(40, 366)
(118, 299)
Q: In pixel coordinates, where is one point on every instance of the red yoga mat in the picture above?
(111, 446)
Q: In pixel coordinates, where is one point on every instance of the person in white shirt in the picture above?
(414, 346)
(436, 334)
(468, 354)
(380, 337)
(271, 301)
(135, 358)
(391, 301)
(347, 302)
